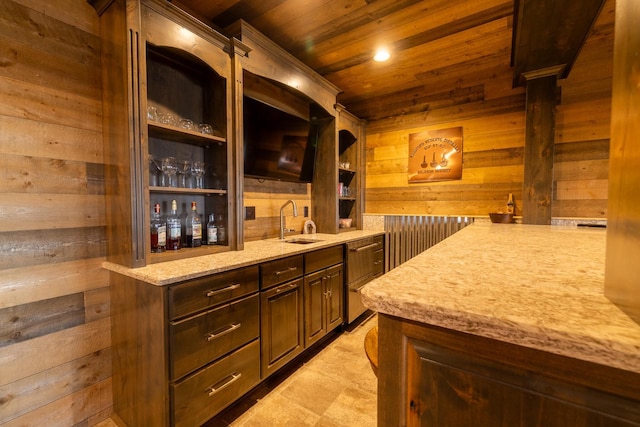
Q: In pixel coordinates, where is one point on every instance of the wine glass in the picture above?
(169, 169)
(184, 168)
(154, 170)
(198, 169)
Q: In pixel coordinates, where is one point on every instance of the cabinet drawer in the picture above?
(200, 339)
(207, 392)
(323, 258)
(280, 271)
(194, 295)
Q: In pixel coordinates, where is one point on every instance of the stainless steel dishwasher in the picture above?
(365, 261)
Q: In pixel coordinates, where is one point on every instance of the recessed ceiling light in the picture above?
(382, 55)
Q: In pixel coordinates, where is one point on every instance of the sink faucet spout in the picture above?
(295, 213)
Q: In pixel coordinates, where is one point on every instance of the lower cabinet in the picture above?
(282, 328)
(184, 352)
(323, 303)
(430, 376)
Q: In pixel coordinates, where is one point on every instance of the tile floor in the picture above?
(333, 387)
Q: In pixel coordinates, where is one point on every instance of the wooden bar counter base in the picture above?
(505, 325)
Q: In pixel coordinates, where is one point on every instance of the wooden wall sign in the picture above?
(435, 155)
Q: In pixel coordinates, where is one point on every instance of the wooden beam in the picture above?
(550, 32)
(537, 194)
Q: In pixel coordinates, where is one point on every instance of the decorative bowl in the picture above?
(345, 222)
(501, 218)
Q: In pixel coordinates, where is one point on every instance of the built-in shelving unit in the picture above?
(350, 168)
(182, 87)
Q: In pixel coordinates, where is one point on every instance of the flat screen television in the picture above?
(277, 145)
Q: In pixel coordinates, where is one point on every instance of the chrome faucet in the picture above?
(295, 213)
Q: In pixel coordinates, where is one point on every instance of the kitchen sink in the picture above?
(302, 241)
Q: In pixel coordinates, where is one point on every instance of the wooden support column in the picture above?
(621, 284)
(537, 194)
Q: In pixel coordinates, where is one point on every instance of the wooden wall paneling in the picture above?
(50, 141)
(267, 196)
(97, 304)
(28, 394)
(72, 56)
(51, 246)
(28, 321)
(581, 170)
(508, 104)
(73, 409)
(52, 211)
(55, 357)
(21, 285)
(23, 359)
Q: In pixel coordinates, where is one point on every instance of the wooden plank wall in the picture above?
(55, 357)
(267, 197)
(493, 122)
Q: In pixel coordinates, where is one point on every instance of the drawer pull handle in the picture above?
(224, 383)
(377, 262)
(287, 270)
(364, 248)
(230, 328)
(223, 290)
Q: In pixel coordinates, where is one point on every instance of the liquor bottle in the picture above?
(158, 231)
(222, 231)
(194, 228)
(511, 204)
(174, 230)
(212, 231)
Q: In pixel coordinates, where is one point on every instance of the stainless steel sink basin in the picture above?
(302, 241)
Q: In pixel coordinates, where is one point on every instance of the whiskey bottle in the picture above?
(158, 231)
(212, 231)
(174, 230)
(194, 228)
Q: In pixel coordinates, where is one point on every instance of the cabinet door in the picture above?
(315, 301)
(282, 331)
(335, 296)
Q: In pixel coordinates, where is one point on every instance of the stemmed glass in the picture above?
(184, 168)
(154, 170)
(169, 169)
(198, 169)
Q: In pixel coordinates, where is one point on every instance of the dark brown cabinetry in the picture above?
(365, 261)
(350, 168)
(158, 57)
(431, 376)
(323, 293)
(282, 327)
(184, 352)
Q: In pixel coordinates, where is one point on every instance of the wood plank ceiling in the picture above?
(442, 51)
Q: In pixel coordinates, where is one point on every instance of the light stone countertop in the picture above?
(536, 286)
(169, 272)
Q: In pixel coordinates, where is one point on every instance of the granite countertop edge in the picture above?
(170, 272)
(531, 295)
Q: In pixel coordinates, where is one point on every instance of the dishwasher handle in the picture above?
(364, 248)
